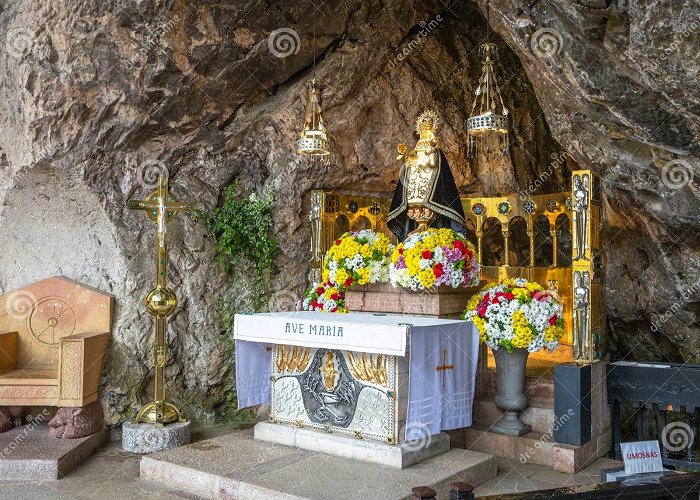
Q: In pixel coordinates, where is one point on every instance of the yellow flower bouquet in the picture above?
(432, 258)
(517, 313)
(358, 258)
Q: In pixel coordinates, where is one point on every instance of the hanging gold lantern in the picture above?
(487, 127)
(314, 139)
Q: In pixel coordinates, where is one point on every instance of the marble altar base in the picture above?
(263, 470)
(32, 454)
(398, 456)
(380, 410)
(349, 394)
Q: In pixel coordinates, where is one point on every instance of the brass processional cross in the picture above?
(161, 207)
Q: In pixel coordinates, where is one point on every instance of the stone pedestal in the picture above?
(572, 403)
(443, 302)
(510, 369)
(580, 403)
(150, 438)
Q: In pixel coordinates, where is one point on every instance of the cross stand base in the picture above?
(151, 438)
(157, 412)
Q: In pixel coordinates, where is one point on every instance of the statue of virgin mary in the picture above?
(426, 195)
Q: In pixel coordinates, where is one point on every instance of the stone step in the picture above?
(237, 466)
(537, 389)
(30, 453)
(538, 448)
(540, 389)
(540, 414)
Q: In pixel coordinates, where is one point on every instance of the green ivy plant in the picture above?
(242, 226)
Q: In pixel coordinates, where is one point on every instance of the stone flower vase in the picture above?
(510, 371)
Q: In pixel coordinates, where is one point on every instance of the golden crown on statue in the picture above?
(427, 121)
(426, 126)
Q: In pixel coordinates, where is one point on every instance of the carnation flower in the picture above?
(434, 258)
(323, 297)
(516, 313)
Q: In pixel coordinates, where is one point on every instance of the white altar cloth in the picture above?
(439, 399)
(361, 332)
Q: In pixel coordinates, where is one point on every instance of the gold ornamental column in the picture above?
(587, 269)
(161, 207)
(315, 218)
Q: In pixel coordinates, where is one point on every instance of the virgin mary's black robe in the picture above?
(443, 200)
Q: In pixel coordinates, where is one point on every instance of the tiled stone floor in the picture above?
(515, 477)
(114, 474)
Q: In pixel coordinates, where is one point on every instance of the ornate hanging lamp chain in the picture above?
(313, 140)
(488, 21)
(487, 129)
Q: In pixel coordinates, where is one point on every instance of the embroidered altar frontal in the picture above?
(388, 378)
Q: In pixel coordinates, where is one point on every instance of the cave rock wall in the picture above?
(94, 94)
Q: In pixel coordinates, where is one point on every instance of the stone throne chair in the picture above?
(53, 339)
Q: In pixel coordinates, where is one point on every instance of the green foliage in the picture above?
(242, 226)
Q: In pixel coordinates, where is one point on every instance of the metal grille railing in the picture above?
(656, 401)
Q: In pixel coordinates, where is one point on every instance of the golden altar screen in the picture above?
(553, 239)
